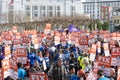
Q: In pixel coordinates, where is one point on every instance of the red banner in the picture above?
(104, 61)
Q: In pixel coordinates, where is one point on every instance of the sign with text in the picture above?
(38, 76)
(21, 52)
(104, 61)
(115, 56)
(7, 50)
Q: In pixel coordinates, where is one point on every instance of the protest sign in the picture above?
(106, 49)
(104, 61)
(21, 52)
(38, 76)
(7, 51)
(93, 52)
(9, 67)
(115, 56)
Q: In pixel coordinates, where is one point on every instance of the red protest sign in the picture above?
(104, 61)
(21, 52)
(16, 41)
(115, 56)
(115, 51)
(25, 40)
(38, 76)
(21, 59)
(13, 64)
(9, 67)
(118, 74)
(83, 40)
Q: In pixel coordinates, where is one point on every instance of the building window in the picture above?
(84, 11)
(50, 8)
(42, 7)
(35, 7)
(84, 5)
(35, 14)
(50, 14)
(28, 13)
(72, 11)
(117, 21)
(27, 7)
(118, 4)
(58, 7)
(27, 0)
(58, 14)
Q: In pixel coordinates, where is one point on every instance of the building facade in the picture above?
(94, 7)
(31, 10)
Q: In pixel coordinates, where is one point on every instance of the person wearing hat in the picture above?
(57, 71)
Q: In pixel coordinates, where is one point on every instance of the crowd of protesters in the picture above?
(64, 61)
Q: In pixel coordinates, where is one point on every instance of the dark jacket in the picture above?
(57, 72)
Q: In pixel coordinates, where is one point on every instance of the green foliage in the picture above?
(105, 26)
(99, 25)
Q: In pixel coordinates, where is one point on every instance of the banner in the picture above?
(38, 76)
(9, 67)
(6, 68)
(106, 49)
(21, 52)
(93, 52)
(104, 61)
(115, 56)
(83, 40)
(7, 51)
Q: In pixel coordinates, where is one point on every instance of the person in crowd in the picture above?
(39, 58)
(71, 75)
(21, 71)
(47, 61)
(31, 57)
(101, 76)
(58, 71)
(59, 55)
(8, 78)
(36, 68)
(87, 67)
(73, 60)
(86, 74)
(112, 74)
(81, 74)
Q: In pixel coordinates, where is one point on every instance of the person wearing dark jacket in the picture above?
(58, 71)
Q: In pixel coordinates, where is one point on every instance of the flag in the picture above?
(11, 2)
